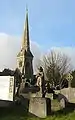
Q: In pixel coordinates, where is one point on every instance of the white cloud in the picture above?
(10, 46)
(36, 50)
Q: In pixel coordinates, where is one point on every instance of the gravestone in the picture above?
(40, 107)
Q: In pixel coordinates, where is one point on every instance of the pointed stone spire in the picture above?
(25, 41)
(25, 57)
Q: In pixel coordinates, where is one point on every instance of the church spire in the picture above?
(25, 41)
(25, 57)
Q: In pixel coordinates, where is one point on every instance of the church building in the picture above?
(25, 57)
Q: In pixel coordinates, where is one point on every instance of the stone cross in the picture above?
(69, 78)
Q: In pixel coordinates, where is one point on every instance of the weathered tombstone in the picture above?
(39, 105)
(7, 88)
(7, 91)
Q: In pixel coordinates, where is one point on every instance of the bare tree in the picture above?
(55, 65)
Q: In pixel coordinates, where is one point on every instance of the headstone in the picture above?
(40, 107)
(7, 85)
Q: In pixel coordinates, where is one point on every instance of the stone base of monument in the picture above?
(40, 107)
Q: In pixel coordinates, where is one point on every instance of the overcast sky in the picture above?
(51, 24)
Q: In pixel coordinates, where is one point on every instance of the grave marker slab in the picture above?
(40, 107)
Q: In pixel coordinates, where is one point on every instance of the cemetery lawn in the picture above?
(20, 113)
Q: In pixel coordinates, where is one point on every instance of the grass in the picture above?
(20, 113)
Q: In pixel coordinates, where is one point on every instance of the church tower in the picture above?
(25, 57)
